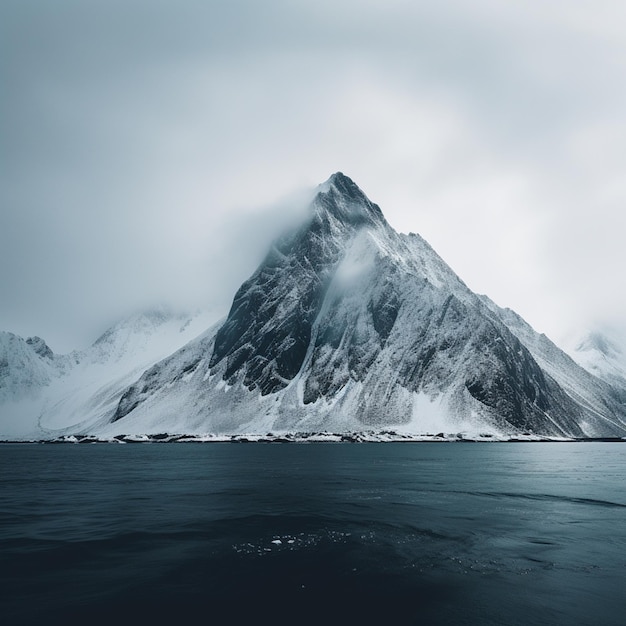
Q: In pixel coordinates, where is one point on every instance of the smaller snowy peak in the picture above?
(599, 343)
(144, 323)
(40, 347)
(150, 333)
(342, 198)
(45, 397)
(23, 371)
(603, 353)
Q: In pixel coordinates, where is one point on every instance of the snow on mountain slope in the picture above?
(45, 395)
(25, 366)
(348, 325)
(345, 326)
(603, 353)
(595, 391)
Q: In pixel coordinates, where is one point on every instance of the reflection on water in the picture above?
(438, 533)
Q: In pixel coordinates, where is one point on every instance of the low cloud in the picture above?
(141, 142)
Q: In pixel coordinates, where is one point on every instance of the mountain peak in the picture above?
(40, 347)
(346, 325)
(599, 342)
(343, 198)
(344, 184)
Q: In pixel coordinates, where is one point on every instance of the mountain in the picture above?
(350, 326)
(25, 366)
(43, 394)
(601, 352)
(574, 375)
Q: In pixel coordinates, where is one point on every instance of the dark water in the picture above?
(447, 533)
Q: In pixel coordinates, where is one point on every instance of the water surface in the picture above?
(434, 533)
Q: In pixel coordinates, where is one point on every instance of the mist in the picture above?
(147, 149)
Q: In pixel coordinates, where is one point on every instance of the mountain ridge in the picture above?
(348, 325)
(44, 394)
(344, 294)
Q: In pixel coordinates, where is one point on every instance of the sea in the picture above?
(313, 533)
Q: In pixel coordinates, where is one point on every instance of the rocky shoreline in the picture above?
(387, 436)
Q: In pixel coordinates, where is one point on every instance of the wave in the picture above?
(544, 497)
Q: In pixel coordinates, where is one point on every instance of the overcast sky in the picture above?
(149, 149)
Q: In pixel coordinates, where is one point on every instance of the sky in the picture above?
(150, 150)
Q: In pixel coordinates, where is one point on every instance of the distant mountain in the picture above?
(349, 326)
(603, 353)
(45, 394)
(25, 366)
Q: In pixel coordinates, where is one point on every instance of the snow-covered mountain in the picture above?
(25, 366)
(601, 352)
(349, 326)
(43, 394)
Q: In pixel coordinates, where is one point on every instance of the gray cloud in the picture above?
(142, 140)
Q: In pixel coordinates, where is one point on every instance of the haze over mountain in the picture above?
(345, 326)
(129, 168)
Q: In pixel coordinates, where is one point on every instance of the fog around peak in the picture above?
(141, 142)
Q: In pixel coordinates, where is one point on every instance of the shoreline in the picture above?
(317, 437)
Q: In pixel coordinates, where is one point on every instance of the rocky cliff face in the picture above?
(268, 331)
(349, 325)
